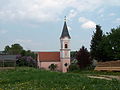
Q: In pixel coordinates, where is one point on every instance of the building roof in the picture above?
(65, 32)
(8, 57)
(49, 56)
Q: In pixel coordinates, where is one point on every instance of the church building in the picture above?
(61, 58)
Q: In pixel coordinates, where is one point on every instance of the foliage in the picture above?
(114, 41)
(106, 50)
(83, 57)
(73, 67)
(26, 61)
(35, 79)
(73, 55)
(96, 39)
(25, 58)
(110, 45)
(28, 53)
(74, 61)
(7, 49)
(14, 49)
(53, 67)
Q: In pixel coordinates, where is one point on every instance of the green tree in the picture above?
(114, 37)
(96, 39)
(106, 52)
(83, 57)
(7, 49)
(28, 53)
(25, 58)
(23, 53)
(110, 45)
(53, 67)
(73, 55)
(32, 54)
(14, 49)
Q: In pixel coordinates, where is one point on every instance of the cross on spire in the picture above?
(65, 19)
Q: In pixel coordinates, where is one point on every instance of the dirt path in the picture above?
(106, 77)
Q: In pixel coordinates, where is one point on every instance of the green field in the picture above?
(35, 79)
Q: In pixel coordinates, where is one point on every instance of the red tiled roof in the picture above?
(49, 56)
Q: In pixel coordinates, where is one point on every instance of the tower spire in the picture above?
(65, 32)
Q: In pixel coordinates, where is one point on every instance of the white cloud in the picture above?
(101, 15)
(118, 20)
(72, 14)
(112, 14)
(39, 10)
(3, 31)
(47, 10)
(28, 44)
(23, 41)
(101, 11)
(113, 2)
(82, 19)
(86, 23)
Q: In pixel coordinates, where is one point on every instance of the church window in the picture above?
(66, 46)
(66, 64)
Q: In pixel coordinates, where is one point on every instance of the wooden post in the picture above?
(14, 64)
(3, 63)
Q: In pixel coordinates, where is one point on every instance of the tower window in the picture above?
(66, 46)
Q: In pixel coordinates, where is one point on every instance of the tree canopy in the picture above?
(83, 57)
(110, 45)
(106, 47)
(14, 49)
(96, 39)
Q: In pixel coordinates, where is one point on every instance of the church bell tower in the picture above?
(65, 48)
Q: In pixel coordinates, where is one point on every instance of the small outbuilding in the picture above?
(7, 61)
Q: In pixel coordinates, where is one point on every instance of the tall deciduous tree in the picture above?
(14, 49)
(114, 37)
(96, 39)
(110, 45)
(83, 57)
(7, 49)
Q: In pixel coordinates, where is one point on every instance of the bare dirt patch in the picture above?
(106, 77)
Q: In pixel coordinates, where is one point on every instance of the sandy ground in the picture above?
(106, 77)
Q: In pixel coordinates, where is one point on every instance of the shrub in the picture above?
(83, 57)
(74, 67)
(53, 67)
(26, 61)
(90, 67)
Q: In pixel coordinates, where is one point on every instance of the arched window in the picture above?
(66, 46)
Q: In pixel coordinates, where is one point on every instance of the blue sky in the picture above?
(37, 24)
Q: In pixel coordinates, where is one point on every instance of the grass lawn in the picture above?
(35, 79)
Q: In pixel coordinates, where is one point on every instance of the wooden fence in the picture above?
(5, 64)
(108, 66)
